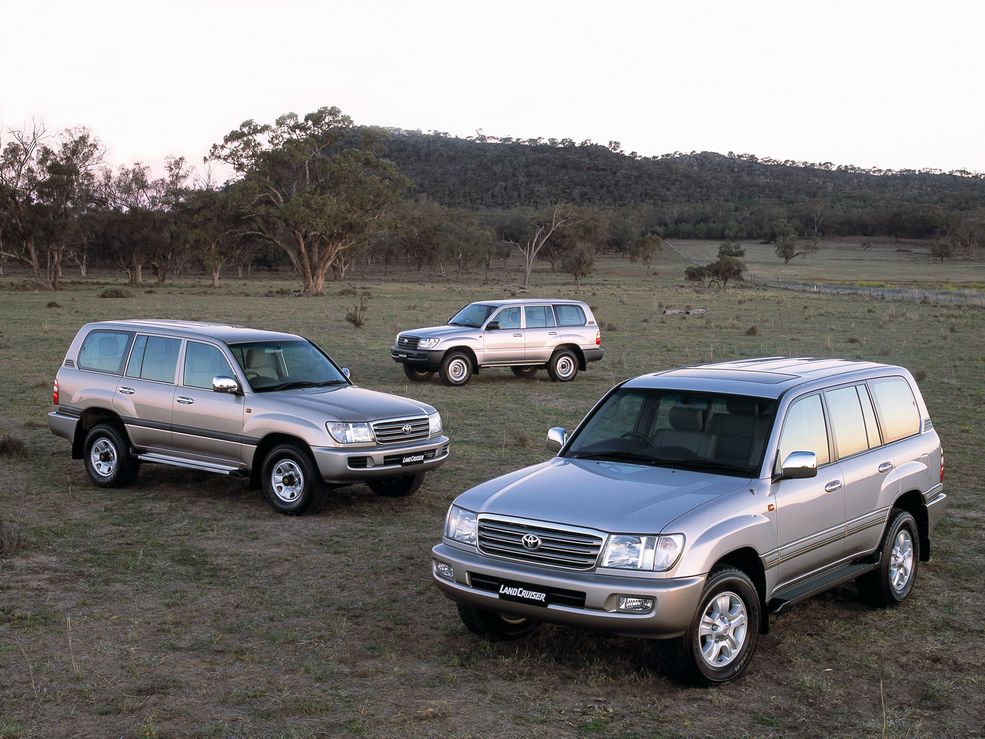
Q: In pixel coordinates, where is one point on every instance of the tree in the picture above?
(645, 248)
(941, 250)
(533, 235)
(696, 273)
(314, 186)
(731, 249)
(725, 269)
(579, 261)
(785, 242)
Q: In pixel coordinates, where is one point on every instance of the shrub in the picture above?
(53, 304)
(854, 340)
(611, 327)
(356, 314)
(10, 539)
(752, 331)
(10, 446)
(116, 292)
(920, 375)
(347, 291)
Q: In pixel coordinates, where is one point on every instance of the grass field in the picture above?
(184, 606)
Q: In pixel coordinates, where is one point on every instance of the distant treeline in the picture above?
(318, 195)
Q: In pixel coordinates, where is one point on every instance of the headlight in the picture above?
(428, 343)
(656, 553)
(434, 423)
(350, 433)
(461, 525)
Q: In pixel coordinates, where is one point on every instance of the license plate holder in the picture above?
(411, 459)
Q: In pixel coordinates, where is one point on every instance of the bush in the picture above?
(752, 331)
(116, 292)
(10, 539)
(10, 446)
(347, 291)
(920, 375)
(53, 304)
(356, 314)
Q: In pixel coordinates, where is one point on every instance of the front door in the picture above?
(810, 512)
(207, 425)
(504, 345)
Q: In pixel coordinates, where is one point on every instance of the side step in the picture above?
(191, 464)
(783, 599)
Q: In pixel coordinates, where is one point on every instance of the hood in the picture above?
(438, 331)
(610, 496)
(342, 403)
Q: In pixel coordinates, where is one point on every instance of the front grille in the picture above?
(558, 548)
(408, 342)
(557, 596)
(399, 431)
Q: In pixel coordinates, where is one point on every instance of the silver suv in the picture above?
(236, 401)
(523, 335)
(690, 503)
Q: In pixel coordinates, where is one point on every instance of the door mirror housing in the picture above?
(222, 384)
(492, 326)
(556, 437)
(345, 371)
(799, 466)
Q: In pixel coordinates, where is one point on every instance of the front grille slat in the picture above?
(558, 548)
(402, 430)
(408, 342)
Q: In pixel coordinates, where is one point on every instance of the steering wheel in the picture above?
(680, 452)
(637, 436)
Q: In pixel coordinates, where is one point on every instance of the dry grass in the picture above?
(10, 446)
(10, 539)
(116, 292)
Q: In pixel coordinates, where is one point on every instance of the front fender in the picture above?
(744, 531)
(313, 434)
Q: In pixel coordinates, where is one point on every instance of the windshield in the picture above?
(708, 432)
(472, 316)
(282, 365)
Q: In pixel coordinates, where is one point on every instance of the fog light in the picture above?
(635, 604)
(444, 570)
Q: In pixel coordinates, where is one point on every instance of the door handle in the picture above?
(832, 486)
(885, 466)
(185, 400)
(125, 390)
(518, 335)
(552, 333)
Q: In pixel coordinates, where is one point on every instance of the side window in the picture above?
(871, 427)
(804, 430)
(847, 423)
(509, 318)
(570, 315)
(896, 406)
(202, 363)
(539, 316)
(104, 351)
(154, 358)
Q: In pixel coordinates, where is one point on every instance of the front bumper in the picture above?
(355, 464)
(676, 599)
(425, 358)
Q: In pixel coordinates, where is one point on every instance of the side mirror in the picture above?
(556, 437)
(345, 371)
(799, 466)
(221, 384)
(492, 326)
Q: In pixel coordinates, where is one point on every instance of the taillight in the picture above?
(54, 394)
(942, 465)
(598, 338)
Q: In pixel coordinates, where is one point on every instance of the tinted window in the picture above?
(847, 423)
(154, 358)
(202, 363)
(509, 318)
(570, 315)
(539, 316)
(473, 315)
(897, 408)
(804, 430)
(278, 365)
(104, 351)
(871, 427)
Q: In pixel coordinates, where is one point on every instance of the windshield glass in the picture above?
(708, 432)
(281, 365)
(472, 315)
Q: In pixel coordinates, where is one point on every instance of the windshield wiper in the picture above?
(616, 456)
(702, 464)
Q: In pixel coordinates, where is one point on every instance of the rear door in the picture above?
(539, 333)
(504, 345)
(145, 393)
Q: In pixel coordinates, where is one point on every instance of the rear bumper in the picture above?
(936, 503)
(373, 463)
(676, 599)
(592, 355)
(62, 424)
(417, 357)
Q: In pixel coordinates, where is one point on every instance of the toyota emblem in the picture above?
(530, 542)
(406, 428)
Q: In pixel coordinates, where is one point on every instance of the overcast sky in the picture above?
(891, 84)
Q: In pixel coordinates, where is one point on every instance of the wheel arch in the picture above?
(92, 417)
(466, 350)
(574, 348)
(912, 501)
(267, 443)
(748, 561)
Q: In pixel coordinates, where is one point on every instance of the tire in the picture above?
(107, 457)
(718, 646)
(456, 369)
(397, 487)
(893, 580)
(563, 366)
(291, 481)
(417, 375)
(493, 626)
(525, 372)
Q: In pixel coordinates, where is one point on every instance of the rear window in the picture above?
(896, 406)
(570, 315)
(539, 316)
(847, 422)
(105, 351)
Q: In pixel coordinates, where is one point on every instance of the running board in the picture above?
(783, 599)
(191, 464)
